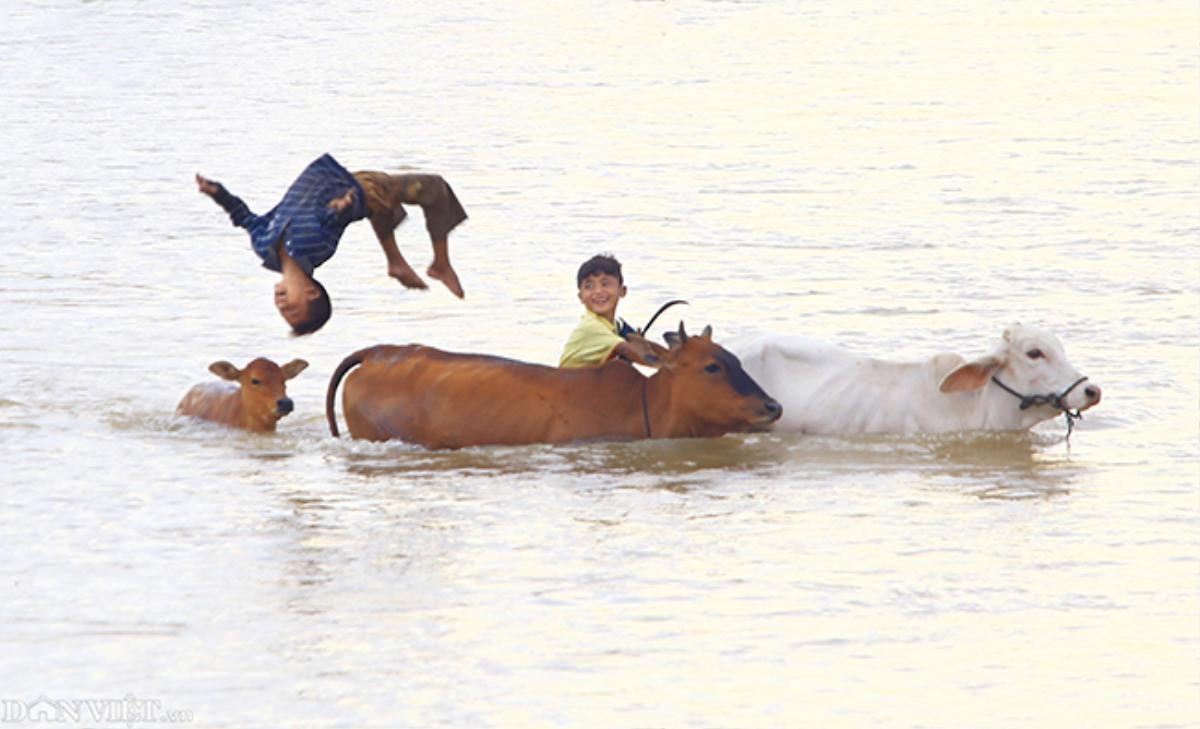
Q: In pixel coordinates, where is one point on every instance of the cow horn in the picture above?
(707, 333)
(646, 329)
(683, 335)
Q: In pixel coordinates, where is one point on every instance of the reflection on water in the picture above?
(993, 465)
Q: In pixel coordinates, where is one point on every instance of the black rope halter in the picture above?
(645, 407)
(1056, 400)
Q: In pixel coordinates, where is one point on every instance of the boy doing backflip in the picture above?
(303, 230)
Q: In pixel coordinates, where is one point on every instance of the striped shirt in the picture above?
(303, 221)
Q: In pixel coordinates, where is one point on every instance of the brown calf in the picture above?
(444, 400)
(256, 403)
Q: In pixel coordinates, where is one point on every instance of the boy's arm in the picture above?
(239, 214)
(639, 349)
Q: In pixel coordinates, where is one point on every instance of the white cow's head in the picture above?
(1033, 367)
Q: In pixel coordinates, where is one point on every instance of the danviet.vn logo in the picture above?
(129, 710)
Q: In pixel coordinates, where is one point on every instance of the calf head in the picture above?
(1032, 365)
(710, 391)
(263, 389)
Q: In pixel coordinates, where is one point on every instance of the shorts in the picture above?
(388, 194)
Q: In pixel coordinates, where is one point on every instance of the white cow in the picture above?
(827, 389)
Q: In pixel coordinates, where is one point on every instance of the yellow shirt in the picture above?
(591, 342)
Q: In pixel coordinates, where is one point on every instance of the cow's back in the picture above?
(216, 401)
(827, 389)
(447, 400)
(802, 373)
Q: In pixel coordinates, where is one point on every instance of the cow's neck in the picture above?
(995, 409)
(237, 412)
(668, 418)
(241, 416)
(658, 406)
(621, 390)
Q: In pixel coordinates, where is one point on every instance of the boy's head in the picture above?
(601, 285)
(304, 305)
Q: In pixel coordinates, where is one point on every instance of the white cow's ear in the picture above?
(225, 371)
(970, 375)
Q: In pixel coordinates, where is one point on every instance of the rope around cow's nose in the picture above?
(1057, 400)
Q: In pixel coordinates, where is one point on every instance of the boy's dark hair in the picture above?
(319, 311)
(603, 263)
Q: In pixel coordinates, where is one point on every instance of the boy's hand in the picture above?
(640, 350)
(338, 204)
(207, 186)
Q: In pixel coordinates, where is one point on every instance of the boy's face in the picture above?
(291, 299)
(600, 293)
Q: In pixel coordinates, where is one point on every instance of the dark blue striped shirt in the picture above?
(303, 220)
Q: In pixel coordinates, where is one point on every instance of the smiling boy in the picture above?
(598, 336)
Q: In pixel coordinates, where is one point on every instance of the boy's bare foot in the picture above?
(405, 275)
(208, 187)
(445, 273)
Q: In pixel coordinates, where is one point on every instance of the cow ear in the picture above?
(707, 333)
(225, 371)
(293, 368)
(676, 339)
(970, 375)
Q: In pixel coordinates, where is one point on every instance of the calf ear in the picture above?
(970, 375)
(293, 368)
(225, 371)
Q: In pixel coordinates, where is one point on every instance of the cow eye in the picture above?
(712, 368)
(255, 381)
(1035, 354)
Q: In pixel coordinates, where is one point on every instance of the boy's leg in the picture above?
(441, 268)
(386, 212)
(397, 267)
(442, 213)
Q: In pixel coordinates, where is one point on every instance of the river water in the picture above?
(901, 178)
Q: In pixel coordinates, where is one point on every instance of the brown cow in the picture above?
(256, 403)
(445, 400)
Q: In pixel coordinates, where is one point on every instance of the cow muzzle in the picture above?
(1081, 395)
(768, 412)
(283, 406)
